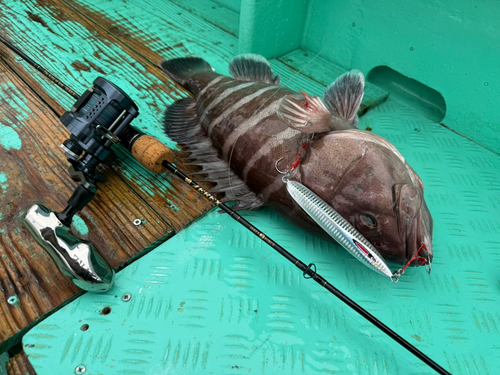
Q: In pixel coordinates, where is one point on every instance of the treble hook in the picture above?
(286, 175)
(276, 166)
(428, 268)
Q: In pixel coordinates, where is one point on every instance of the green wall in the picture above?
(451, 46)
(271, 28)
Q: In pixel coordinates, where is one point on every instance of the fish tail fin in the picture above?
(343, 97)
(183, 68)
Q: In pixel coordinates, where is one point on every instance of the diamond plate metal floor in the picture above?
(216, 300)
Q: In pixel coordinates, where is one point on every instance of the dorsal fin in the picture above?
(254, 68)
(181, 69)
(343, 97)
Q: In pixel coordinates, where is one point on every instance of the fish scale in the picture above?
(254, 130)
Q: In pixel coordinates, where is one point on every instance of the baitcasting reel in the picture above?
(99, 118)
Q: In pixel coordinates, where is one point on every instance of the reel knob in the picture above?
(78, 259)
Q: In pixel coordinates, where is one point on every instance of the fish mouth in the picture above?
(414, 224)
(419, 242)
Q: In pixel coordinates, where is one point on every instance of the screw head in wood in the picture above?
(80, 369)
(13, 300)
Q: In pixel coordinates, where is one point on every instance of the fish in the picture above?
(237, 128)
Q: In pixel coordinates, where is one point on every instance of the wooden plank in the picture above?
(58, 100)
(168, 32)
(216, 14)
(77, 51)
(20, 365)
(316, 73)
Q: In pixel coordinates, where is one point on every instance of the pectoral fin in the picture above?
(307, 116)
(343, 97)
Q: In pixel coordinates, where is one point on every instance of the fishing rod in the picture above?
(153, 155)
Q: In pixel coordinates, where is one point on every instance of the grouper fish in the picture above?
(237, 129)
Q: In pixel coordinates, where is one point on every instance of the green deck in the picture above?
(213, 299)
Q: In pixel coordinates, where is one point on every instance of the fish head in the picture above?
(371, 185)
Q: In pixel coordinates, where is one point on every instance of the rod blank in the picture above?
(38, 67)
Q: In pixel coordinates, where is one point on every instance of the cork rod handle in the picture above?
(151, 153)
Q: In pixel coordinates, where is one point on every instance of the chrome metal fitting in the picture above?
(78, 259)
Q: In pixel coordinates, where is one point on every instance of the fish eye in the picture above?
(368, 220)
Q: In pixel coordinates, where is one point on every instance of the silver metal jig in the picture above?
(338, 228)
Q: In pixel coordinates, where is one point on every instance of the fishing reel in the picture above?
(99, 119)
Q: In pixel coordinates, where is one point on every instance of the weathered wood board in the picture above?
(20, 365)
(33, 168)
(89, 52)
(167, 32)
(298, 69)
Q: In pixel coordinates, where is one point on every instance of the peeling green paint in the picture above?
(172, 205)
(80, 225)
(9, 139)
(132, 76)
(3, 184)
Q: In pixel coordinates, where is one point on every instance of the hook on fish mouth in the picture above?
(426, 262)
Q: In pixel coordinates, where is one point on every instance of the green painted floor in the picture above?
(214, 299)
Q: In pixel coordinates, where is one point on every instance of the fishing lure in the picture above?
(337, 227)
